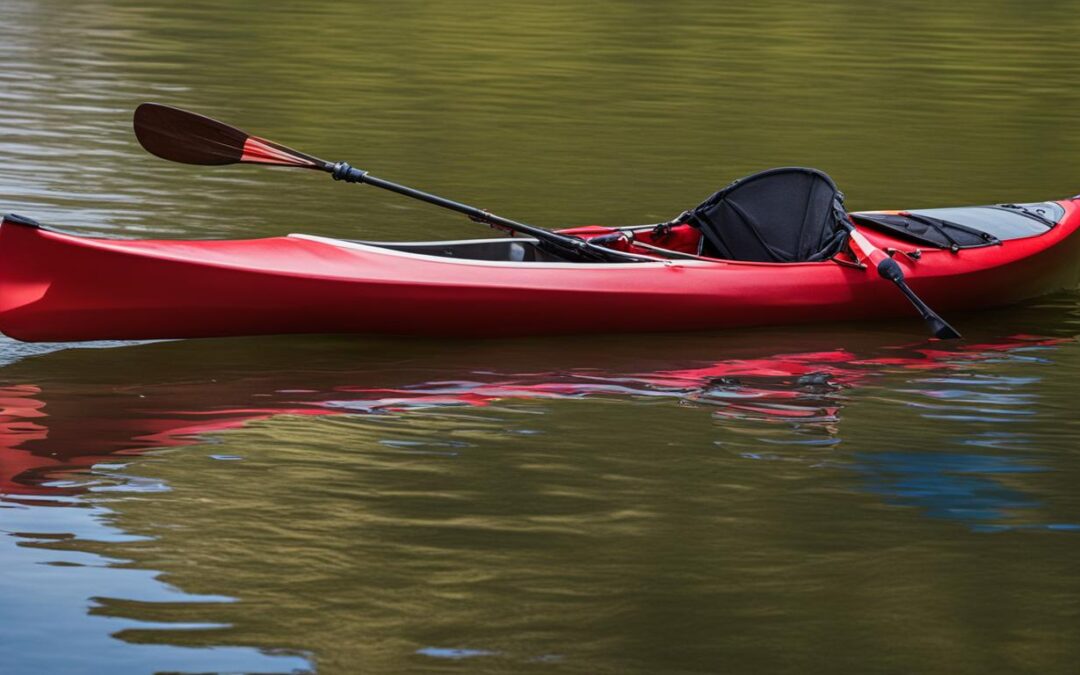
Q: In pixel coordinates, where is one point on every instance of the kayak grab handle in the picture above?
(16, 219)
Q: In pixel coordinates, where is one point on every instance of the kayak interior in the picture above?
(500, 250)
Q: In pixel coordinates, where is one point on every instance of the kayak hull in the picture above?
(61, 287)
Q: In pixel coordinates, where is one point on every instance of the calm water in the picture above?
(832, 499)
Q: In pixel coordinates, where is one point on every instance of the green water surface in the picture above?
(813, 500)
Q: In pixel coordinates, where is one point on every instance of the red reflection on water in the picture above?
(19, 411)
(46, 441)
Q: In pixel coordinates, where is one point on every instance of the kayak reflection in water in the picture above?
(48, 443)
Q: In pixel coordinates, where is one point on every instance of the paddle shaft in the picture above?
(342, 171)
(183, 136)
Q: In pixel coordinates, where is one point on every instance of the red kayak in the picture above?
(62, 287)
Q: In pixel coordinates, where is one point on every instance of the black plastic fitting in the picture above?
(16, 219)
(889, 269)
(342, 171)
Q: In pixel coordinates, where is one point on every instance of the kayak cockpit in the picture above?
(671, 242)
(961, 227)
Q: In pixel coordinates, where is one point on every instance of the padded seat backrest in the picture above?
(791, 214)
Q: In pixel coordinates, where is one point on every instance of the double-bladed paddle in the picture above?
(187, 137)
(182, 136)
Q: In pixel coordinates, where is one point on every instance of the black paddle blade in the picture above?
(938, 326)
(189, 138)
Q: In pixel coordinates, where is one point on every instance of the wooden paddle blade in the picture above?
(189, 138)
(182, 136)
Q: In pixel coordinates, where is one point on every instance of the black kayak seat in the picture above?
(789, 214)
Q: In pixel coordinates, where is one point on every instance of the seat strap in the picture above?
(707, 230)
